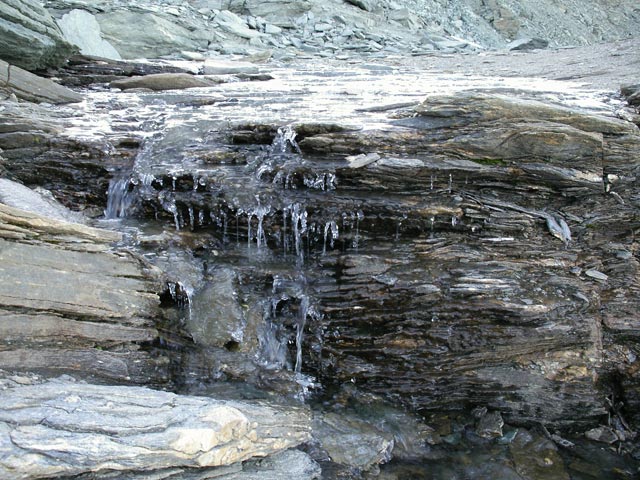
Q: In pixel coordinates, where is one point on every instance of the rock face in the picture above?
(154, 36)
(93, 428)
(69, 304)
(30, 87)
(481, 176)
(32, 143)
(29, 37)
(463, 254)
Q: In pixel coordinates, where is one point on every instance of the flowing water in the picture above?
(221, 197)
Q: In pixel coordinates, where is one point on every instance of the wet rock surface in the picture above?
(443, 265)
(459, 238)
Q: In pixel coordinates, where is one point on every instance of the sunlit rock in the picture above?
(81, 28)
(94, 428)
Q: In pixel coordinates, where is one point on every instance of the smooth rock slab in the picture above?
(66, 428)
(68, 300)
(30, 87)
(154, 34)
(164, 81)
(82, 29)
(17, 195)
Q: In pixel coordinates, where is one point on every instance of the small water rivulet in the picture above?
(348, 239)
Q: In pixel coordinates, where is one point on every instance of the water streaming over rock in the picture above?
(119, 197)
(387, 252)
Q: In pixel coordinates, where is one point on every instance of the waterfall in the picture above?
(119, 198)
(330, 233)
(299, 222)
(302, 320)
(285, 141)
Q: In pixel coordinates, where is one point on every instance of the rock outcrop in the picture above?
(480, 177)
(61, 428)
(29, 37)
(71, 305)
(311, 26)
(32, 142)
(469, 242)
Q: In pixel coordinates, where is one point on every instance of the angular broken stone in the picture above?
(528, 44)
(602, 434)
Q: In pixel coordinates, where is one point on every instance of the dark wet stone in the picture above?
(536, 457)
(490, 425)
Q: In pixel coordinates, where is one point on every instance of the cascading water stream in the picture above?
(302, 321)
(119, 198)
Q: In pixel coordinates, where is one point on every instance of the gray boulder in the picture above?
(367, 5)
(66, 428)
(83, 30)
(29, 37)
(278, 12)
(352, 442)
(233, 24)
(30, 87)
(631, 93)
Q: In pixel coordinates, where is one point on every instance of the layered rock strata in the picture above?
(29, 37)
(70, 304)
(65, 428)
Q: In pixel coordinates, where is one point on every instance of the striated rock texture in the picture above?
(71, 304)
(475, 301)
(35, 152)
(477, 249)
(29, 37)
(63, 428)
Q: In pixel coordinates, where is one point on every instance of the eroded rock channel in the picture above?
(435, 264)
